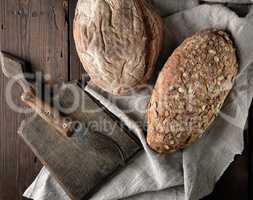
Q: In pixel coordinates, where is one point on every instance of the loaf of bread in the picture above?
(190, 90)
(118, 42)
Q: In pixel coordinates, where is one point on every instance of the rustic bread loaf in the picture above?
(190, 90)
(118, 42)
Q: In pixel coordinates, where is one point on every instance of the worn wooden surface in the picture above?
(77, 70)
(82, 162)
(40, 31)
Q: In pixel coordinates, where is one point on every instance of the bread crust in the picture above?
(190, 90)
(118, 42)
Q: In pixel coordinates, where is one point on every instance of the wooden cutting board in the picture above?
(83, 162)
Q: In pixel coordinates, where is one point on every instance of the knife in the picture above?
(13, 67)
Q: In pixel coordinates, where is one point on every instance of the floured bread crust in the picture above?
(190, 90)
(118, 42)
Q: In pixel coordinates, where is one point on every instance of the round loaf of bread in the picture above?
(118, 42)
(190, 90)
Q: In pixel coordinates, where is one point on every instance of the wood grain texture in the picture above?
(35, 30)
(76, 69)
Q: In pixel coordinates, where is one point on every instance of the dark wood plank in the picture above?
(76, 69)
(36, 30)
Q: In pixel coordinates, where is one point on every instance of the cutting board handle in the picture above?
(48, 113)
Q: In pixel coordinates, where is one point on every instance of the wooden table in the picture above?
(40, 31)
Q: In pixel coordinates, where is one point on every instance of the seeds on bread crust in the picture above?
(190, 90)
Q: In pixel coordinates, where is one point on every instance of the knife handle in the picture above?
(48, 113)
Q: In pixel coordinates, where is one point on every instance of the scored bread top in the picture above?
(118, 42)
(190, 90)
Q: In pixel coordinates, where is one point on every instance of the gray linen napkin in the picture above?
(192, 173)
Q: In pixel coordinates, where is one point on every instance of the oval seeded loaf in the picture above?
(118, 42)
(190, 90)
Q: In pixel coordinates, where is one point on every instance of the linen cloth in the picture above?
(192, 173)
